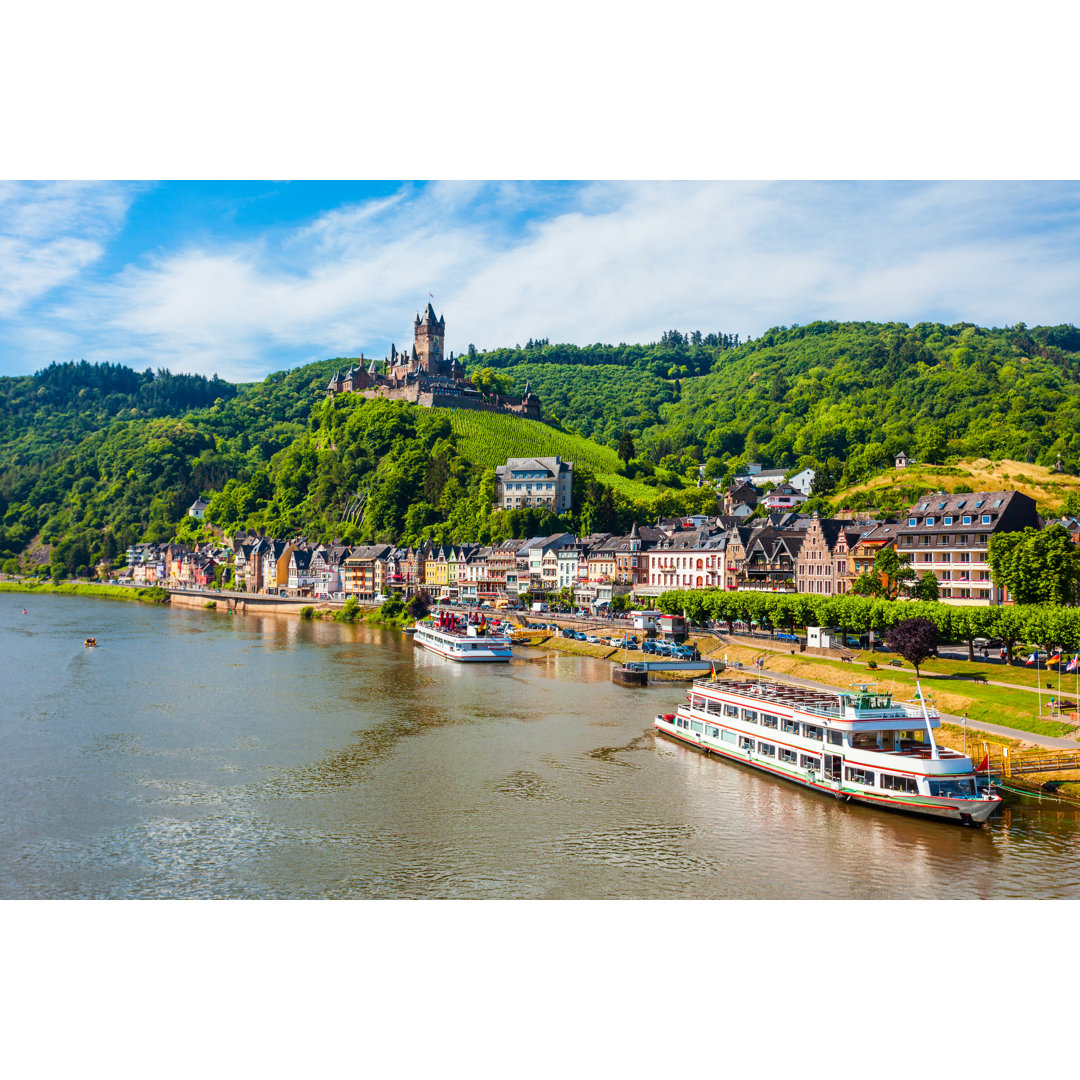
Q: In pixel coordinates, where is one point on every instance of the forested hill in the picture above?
(851, 395)
(109, 454)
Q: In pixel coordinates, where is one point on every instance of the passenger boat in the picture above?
(861, 746)
(466, 638)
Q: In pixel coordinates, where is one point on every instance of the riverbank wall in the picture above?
(249, 603)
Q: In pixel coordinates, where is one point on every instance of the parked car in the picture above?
(592, 639)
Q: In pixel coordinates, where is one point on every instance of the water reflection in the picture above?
(254, 756)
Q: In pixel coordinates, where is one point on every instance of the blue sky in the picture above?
(245, 278)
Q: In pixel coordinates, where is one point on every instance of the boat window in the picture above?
(865, 740)
(698, 726)
(899, 783)
(712, 732)
(812, 731)
(731, 710)
(808, 762)
(680, 722)
(952, 788)
(767, 749)
(859, 776)
(711, 705)
(835, 737)
(746, 744)
(789, 725)
(750, 715)
(768, 721)
(788, 755)
(728, 736)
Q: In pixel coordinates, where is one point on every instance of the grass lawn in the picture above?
(578, 648)
(149, 595)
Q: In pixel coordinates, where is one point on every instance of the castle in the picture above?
(427, 377)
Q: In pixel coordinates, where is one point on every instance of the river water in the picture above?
(198, 754)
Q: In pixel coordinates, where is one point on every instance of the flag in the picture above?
(1074, 663)
(1030, 660)
(1055, 659)
(984, 765)
(432, 295)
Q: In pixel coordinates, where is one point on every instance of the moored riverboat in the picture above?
(467, 639)
(859, 746)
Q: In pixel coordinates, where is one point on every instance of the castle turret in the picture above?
(430, 334)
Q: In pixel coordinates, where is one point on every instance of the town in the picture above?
(943, 537)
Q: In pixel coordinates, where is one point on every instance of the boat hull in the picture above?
(958, 811)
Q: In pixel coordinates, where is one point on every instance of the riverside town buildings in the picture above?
(776, 552)
(427, 376)
(948, 534)
(525, 482)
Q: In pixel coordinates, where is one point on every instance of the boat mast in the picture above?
(929, 730)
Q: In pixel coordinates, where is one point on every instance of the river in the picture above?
(197, 754)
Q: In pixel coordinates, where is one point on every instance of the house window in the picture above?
(986, 519)
(967, 519)
(929, 521)
(948, 520)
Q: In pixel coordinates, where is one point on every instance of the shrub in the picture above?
(349, 612)
(210, 605)
(307, 612)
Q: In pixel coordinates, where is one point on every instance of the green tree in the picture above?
(926, 588)
(893, 571)
(626, 447)
(1037, 566)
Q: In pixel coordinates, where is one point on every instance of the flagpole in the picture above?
(1038, 680)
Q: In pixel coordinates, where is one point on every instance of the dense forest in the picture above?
(95, 456)
(848, 396)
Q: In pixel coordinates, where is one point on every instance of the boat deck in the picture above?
(805, 698)
(918, 750)
(464, 634)
(798, 697)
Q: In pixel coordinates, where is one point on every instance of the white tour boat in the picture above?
(859, 746)
(458, 639)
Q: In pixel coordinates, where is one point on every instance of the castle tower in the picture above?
(429, 334)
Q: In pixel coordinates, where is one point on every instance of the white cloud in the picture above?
(50, 233)
(580, 263)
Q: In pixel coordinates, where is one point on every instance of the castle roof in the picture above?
(429, 317)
